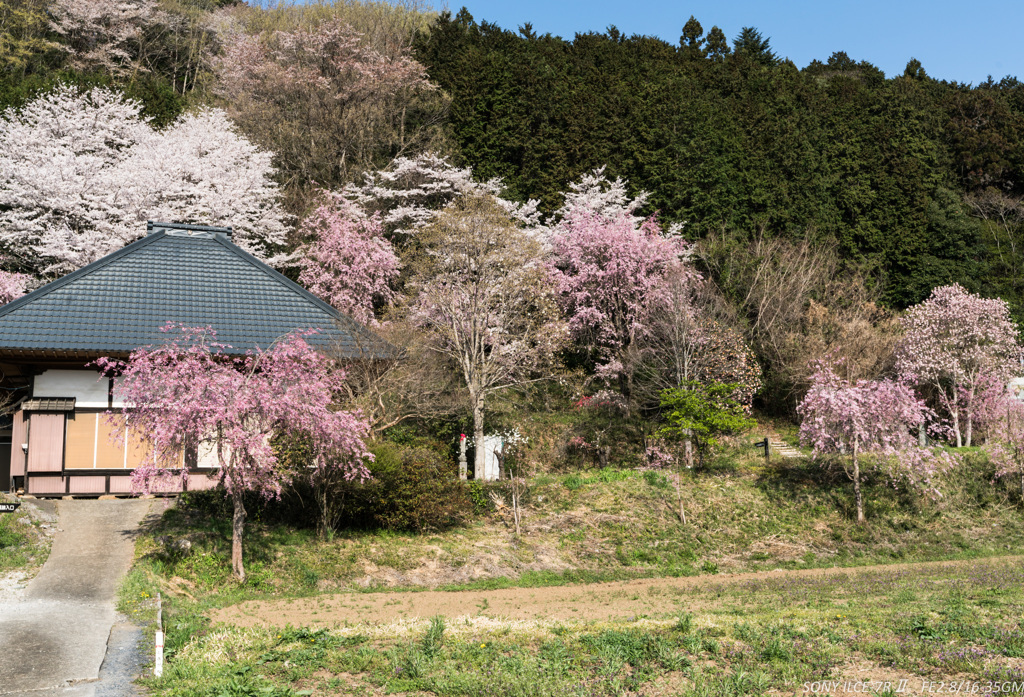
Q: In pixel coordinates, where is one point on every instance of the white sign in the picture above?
(492, 445)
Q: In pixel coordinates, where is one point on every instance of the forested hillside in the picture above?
(918, 180)
(796, 210)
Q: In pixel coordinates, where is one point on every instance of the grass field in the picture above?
(921, 624)
(688, 628)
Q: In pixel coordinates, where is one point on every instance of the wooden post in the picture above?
(158, 666)
(767, 448)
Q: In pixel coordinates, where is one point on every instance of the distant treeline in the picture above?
(918, 180)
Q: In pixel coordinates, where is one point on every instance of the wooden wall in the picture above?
(46, 442)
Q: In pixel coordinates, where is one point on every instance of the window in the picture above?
(96, 440)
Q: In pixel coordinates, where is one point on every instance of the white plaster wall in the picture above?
(118, 402)
(207, 455)
(86, 386)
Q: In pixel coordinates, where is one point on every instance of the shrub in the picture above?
(412, 489)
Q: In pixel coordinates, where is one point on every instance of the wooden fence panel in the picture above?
(19, 436)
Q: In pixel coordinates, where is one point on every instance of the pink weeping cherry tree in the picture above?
(1004, 432)
(12, 285)
(954, 342)
(348, 262)
(189, 393)
(868, 417)
(612, 274)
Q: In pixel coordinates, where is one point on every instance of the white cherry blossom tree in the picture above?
(82, 172)
(953, 342)
(411, 193)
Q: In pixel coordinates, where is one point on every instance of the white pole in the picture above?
(158, 668)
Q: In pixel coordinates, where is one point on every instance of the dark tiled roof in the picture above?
(178, 273)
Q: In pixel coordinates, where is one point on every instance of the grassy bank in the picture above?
(742, 515)
(24, 545)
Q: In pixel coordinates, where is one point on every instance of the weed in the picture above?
(656, 479)
(774, 650)
(434, 636)
(684, 623)
(22, 545)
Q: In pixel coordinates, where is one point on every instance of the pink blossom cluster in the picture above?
(874, 418)
(602, 399)
(658, 457)
(191, 393)
(611, 275)
(1004, 443)
(348, 261)
(333, 58)
(12, 286)
(953, 342)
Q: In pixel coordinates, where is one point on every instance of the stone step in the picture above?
(784, 449)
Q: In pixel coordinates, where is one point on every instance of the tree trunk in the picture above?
(856, 486)
(237, 528)
(325, 516)
(1022, 485)
(956, 427)
(500, 457)
(969, 414)
(479, 456)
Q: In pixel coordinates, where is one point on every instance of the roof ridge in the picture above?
(154, 224)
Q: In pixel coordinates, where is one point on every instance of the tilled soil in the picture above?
(585, 602)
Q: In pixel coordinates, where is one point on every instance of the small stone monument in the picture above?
(462, 456)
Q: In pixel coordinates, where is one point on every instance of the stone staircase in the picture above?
(780, 449)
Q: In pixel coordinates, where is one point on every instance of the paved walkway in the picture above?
(55, 636)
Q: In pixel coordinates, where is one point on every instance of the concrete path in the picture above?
(55, 636)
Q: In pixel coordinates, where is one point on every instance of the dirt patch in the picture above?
(12, 585)
(569, 603)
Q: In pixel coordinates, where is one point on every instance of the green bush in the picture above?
(413, 489)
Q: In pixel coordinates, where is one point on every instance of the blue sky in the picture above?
(962, 41)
